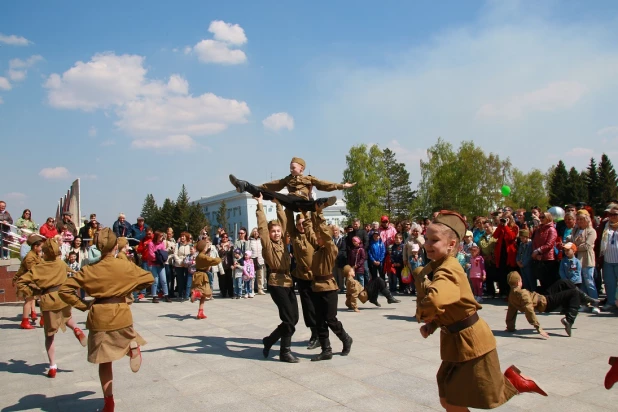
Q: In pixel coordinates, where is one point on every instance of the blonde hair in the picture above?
(549, 217)
(450, 235)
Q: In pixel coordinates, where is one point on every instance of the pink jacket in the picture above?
(388, 235)
(152, 248)
(544, 240)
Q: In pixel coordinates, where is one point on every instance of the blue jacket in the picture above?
(376, 250)
(571, 269)
(138, 234)
(122, 229)
(524, 253)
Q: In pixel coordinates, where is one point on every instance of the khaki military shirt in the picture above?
(324, 256)
(303, 250)
(204, 261)
(107, 278)
(352, 287)
(45, 275)
(527, 302)
(32, 258)
(275, 254)
(301, 185)
(448, 299)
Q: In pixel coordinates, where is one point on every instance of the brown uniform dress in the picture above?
(32, 258)
(526, 302)
(44, 280)
(352, 289)
(324, 257)
(110, 324)
(275, 254)
(200, 281)
(301, 185)
(470, 374)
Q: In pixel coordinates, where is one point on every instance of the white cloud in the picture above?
(213, 51)
(554, 96)
(279, 121)
(175, 142)
(406, 155)
(579, 151)
(92, 132)
(148, 110)
(15, 196)
(14, 40)
(5, 84)
(227, 32)
(18, 67)
(55, 173)
(187, 50)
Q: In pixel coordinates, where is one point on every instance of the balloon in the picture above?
(505, 190)
(557, 212)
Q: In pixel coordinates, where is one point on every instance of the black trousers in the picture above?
(564, 293)
(546, 272)
(286, 302)
(226, 283)
(326, 313)
(305, 292)
(492, 276)
(375, 286)
(374, 270)
(501, 275)
(291, 202)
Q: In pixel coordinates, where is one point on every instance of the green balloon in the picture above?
(505, 190)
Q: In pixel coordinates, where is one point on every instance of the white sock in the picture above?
(54, 366)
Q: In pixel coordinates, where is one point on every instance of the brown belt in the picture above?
(50, 290)
(322, 278)
(114, 299)
(462, 324)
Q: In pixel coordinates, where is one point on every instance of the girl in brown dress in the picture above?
(110, 281)
(470, 374)
(200, 286)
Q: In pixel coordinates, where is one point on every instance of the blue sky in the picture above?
(140, 97)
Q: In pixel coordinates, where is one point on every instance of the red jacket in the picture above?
(544, 240)
(142, 249)
(47, 232)
(508, 234)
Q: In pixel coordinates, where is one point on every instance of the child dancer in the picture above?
(110, 322)
(45, 280)
(562, 294)
(470, 374)
(477, 272)
(299, 188)
(353, 288)
(248, 275)
(200, 285)
(32, 258)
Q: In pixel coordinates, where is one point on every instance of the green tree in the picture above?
(594, 185)
(165, 215)
(528, 189)
(180, 216)
(365, 166)
(399, 194)
(576, 187)
(221, 215)
(558, 185)
(150, 210)
(608, 182)
(197, 220)
(468, 180)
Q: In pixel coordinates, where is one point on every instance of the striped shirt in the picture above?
(611, 253)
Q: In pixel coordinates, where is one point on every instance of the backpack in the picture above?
(161, 256)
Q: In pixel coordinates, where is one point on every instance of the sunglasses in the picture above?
(50, 221)
(241, 233)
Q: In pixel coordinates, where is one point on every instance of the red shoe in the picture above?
(523, 385)
(195, 294)
(81, 337)
(41, 323)
(109, 404)
(612, 375)
(33, 315)
(136, 356)
(25, 324)
(200, 314)
(140, 296)
(52, 373)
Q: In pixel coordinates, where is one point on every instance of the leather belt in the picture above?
(322, 278)
(462, 324)
(114, 299)
(50, 290)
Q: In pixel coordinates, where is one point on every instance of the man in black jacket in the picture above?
(357, 231)
(67, 220)
(89, 229)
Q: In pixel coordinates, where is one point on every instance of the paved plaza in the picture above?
(216, 364)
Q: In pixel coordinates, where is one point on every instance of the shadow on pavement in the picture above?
(399, 317)
(72, 402)
(528, 333)
(177, 317)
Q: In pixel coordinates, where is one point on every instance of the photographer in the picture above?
(505, 252)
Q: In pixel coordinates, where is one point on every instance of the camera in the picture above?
(503, 220)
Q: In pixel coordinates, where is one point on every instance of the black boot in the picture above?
(375, 302)
(585, 299)
(569, 320)
(285, 354)
(389, 297)
(269, 341)
(327, 351)
(347, 343)
(313, 341)
(326, 201)
(240, 184)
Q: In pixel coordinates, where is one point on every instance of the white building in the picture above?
(241, 208)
